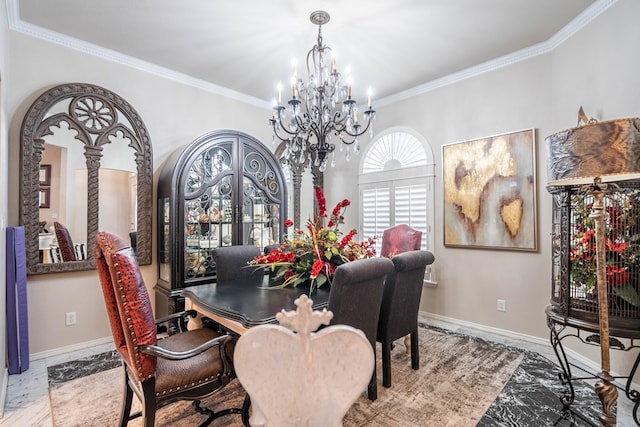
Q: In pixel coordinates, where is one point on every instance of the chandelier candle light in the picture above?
(319, 109)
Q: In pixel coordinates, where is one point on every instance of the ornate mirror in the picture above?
(86, 166)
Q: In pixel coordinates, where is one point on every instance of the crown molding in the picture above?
(15, 24)
(588, 15)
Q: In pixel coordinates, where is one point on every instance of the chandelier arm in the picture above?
(345, 142)
(274, 124)
(369, 114)
(337, 126)
(277, 135)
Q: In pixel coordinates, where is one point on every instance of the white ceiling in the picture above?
(247, 45)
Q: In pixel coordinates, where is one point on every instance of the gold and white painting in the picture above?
(489, 188)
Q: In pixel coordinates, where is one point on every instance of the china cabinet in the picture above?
(225, 188)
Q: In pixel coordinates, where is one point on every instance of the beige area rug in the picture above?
(459, 378)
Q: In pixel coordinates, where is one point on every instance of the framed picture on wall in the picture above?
(489, 190)
(45, 196)
(45, 175)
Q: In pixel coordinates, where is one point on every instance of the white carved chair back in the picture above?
(297, 377)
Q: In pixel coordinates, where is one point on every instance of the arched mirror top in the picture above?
(93, 118)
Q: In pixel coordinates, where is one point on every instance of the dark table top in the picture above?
(250, 303)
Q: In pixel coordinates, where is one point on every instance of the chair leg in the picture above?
(415, 356)
(246, 405)
(149, 402)
(386, 363)
(125, 410)
(372, 389)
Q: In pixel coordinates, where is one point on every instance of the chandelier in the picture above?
(319, 110)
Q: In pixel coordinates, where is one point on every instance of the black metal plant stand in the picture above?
(558, 332)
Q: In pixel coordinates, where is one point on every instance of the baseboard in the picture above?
(485, 328)
(3, 391)
(575, 357)
(70, 348)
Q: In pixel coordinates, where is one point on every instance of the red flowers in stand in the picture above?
(622, 238)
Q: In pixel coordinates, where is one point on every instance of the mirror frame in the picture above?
(37, 124)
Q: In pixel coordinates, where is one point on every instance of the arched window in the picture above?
(396, 186)
(394, 151)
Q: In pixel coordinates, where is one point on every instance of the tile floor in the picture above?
(529, 399)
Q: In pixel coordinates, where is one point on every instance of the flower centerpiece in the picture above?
(622, 246)
(312, 254)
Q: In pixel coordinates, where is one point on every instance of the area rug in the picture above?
(459, 378)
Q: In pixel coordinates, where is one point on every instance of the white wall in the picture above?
(595, 68)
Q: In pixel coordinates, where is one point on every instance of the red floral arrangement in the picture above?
(314, 253)
(622, 255)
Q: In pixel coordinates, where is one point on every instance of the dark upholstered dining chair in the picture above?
(398, 239)
(188, 365)
(270, 248)
(400, 305)
(67, 250)
(231, 263)
(355, 299)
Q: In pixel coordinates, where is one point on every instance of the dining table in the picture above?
(239, 304)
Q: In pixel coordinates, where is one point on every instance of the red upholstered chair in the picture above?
(67, 251)
(184, 366)
(398, 239)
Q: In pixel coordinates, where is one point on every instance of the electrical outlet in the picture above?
(502, 305)
(70, 318)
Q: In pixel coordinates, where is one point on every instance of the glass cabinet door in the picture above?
(260, 217)
(224, 188)
(208, 212)
(164, 241)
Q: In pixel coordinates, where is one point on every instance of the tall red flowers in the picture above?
(315, 251)
(322, 202)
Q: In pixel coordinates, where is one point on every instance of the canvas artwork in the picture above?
(489, 188)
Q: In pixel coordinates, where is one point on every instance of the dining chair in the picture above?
(67, 250)
(398, 239)
(297, 377)
(232, 263)
(270, 248)
(188, 365)
(355, 299)
(400, 306)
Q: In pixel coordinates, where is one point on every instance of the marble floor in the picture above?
(530, 398)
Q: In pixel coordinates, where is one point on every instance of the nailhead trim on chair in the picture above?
(171, 390)
(128, 319)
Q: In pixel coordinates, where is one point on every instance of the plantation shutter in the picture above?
(410, 207)
(376, 213)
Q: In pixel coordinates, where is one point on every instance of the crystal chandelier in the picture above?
(320, 109)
